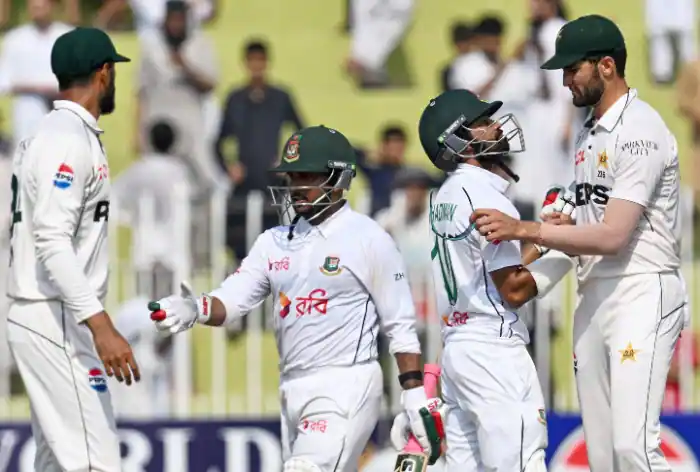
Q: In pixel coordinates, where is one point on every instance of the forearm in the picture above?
(217, 314)
(199, 81)
(63, 269)
(595, 239)
(409, 362)
(530, 253)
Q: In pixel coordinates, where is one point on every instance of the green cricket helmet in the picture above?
(446, 131)
(315, 150)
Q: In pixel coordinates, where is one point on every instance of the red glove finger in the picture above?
(158, 315)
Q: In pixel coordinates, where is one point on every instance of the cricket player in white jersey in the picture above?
(495, 414)
(632, 298)
(58, 331)
(336, 278)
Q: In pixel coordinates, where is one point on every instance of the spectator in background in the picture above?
(671, 37)
(463, 43)
(549, 154)
(381, 167)
(406, 220)
(176, 74)
(253, 116)
(377, 28)
(71, 10)
(688, 100)
(25, 68)
(162, 180)
(149, 15)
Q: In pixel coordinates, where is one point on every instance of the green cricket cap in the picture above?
(81, 51)
(317, 149)
(585, 37)
(446, 111)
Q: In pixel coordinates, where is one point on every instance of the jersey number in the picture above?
(14, 208)
(448, 274)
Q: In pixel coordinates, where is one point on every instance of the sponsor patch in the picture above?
(63, 179)
(97, 380)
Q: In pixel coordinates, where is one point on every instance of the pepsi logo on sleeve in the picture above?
(64, 177)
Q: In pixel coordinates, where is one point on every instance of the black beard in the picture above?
(591, 94)
(107, 102)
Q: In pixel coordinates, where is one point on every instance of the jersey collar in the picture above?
(611, 117)
(327, 227)
(82, 113)
(486, 176)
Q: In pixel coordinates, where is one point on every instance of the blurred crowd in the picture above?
(187, 142)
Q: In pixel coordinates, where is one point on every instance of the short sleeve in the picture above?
(248, 287)
(640, 159)
(501, 254)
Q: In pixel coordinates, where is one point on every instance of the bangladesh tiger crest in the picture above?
(331, 266)
(291, 154)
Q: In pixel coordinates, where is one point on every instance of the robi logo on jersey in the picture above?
(586, 193)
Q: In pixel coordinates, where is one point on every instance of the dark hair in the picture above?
(489, 26)
(256, 46)
(619, 56)
(461, 32)
(172, 6)
(393, 132)
(162, 137)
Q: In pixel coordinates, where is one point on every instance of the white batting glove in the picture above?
(178, 313)
(421, 417)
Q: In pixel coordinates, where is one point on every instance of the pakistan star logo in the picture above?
(628, 354)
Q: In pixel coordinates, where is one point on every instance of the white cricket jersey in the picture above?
(630, 154)
(60, 209)
(468, 301)
(333, 285)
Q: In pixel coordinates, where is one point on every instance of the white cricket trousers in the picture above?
(495, 419)
(328, 414)
(625, 332)
(72, 419)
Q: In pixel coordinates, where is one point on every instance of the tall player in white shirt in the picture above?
(631, 295)
(58, 331)
(495, 420)
(336, 278)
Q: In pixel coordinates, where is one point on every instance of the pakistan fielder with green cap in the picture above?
(495, 413)
(60, 335)
(632, 298)
(335, 278)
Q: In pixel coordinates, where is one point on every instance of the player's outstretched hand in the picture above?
(421, 417)
(113, 350)
(175, 313)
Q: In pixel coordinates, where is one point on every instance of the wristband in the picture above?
(410, 375)
(203, 308)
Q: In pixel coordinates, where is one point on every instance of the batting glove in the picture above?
(178, 313)
(421, 417)
(557, 200)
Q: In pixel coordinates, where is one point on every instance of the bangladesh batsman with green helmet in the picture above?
(457, 126)
(318, 164)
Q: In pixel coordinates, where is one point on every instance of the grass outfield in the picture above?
(308, 49)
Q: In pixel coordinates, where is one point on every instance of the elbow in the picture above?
(48, 243)
(516, 298)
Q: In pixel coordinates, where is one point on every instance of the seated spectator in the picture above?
(380, 167)
(463, 43)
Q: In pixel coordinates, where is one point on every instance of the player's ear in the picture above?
(606, 67)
